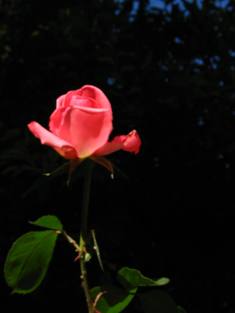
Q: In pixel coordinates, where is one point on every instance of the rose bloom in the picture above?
(80, 126)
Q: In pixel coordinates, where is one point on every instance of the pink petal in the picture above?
(60, 101)
(47, 138)
(64, 100)
(130, 143)
(85, 128)
(83, 118)
(96, 94)
(56, 118)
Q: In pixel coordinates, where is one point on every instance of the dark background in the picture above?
(168, 69)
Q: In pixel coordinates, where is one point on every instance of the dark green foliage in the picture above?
(49, 221)
(114, 299)
(131, 277)
(28, 260)
(157, 301)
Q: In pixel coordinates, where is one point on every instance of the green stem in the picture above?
(83, 234)
(86, 198)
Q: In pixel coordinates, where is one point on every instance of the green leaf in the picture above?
(131, 277)
(158, 301)
(112, 299)
(49, 221)
(28, 260)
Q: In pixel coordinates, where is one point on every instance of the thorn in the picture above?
(77, 258)
(97, 298)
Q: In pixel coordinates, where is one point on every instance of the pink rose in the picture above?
(81, 124)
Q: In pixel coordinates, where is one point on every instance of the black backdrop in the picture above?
(169, 73)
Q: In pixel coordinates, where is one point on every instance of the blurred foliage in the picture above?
(168, 68)
(169, 73)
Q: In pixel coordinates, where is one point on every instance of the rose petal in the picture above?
(96, 94)
(56, 118)
(64, 100)
(86, 130)
(47, 138)
(130, 143)
(83, 118)
(60, 101)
